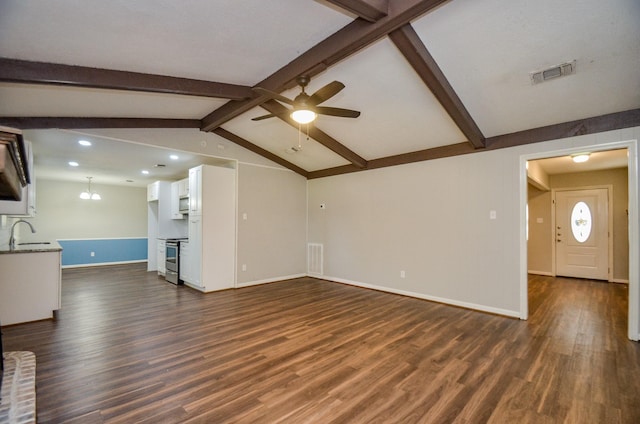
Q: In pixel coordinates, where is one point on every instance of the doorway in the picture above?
(631, 214)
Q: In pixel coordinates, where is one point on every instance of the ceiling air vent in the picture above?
(553, 72)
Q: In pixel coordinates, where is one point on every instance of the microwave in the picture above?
(183, 205)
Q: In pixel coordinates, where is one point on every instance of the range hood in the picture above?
(14, 166)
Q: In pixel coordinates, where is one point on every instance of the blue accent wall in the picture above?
(78, 252)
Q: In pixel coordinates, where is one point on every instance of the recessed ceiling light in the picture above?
(145, 172)
(84, 142)
(72, 163)
(174, 157)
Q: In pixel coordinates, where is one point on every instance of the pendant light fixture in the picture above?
(86, 195)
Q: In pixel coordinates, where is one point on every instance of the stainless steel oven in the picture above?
(172, 262)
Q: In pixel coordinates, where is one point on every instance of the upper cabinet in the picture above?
(195, 191)
(175, 200)
(183, 188)
(153, 191)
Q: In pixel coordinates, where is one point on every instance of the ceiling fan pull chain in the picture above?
(299, 136)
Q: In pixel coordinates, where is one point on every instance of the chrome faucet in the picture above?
(12, 239)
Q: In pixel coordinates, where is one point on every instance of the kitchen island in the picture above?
(30, 282)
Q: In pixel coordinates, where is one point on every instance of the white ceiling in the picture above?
(598, 161)
(486, 49)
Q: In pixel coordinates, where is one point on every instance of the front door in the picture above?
(582, 233)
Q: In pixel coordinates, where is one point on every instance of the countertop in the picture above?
(32, 247)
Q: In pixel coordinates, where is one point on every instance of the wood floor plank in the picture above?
(130, 348)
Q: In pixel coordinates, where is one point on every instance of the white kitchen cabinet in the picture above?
(212, 228)
(153, 191)
(162, 251)
(175, 201)
(183, 187)
(187, 268)
(195, 191)
(30, 287)
(193, 267)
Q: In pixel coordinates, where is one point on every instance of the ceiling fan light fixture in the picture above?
(303, 116)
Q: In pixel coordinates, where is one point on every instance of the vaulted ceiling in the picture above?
(432, 78)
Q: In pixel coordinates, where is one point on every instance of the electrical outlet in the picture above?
(93, 254)
(244, 267)
(402, 274)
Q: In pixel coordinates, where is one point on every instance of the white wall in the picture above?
(431, 219)
(541, 239)
(61, 214)
(271, 241)
(428, 219)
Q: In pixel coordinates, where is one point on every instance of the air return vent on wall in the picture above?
(553, 72)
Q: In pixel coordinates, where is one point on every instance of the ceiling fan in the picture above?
(305, 107)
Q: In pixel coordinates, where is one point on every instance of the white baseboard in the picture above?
(102, 263)
(545, 273)
(269, 280)
(620, 281)
(467, 305)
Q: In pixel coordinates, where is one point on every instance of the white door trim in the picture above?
(609, 189)
(634, 226)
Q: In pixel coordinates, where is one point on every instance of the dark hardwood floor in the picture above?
(130, 348)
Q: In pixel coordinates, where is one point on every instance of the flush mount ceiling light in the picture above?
(73, 163)
(580, 157)
(173, 157)
(86, 195)
(84, 142)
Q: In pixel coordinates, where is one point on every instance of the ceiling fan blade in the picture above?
(336, 111)
(260, 118)
(326, 92)
(273, 95)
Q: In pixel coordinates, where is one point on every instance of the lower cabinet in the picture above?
(195, 250)
(162, 250)
(186, 264)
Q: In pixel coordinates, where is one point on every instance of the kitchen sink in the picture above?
(34, 242)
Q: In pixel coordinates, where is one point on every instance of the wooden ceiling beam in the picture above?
(317, 134)
(416, 53)
(609, 122)
(259, 150)
(22, 71)
(369, 10)
(40, 123)
(350, 39)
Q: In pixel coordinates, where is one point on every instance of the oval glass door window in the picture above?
(581, 222)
